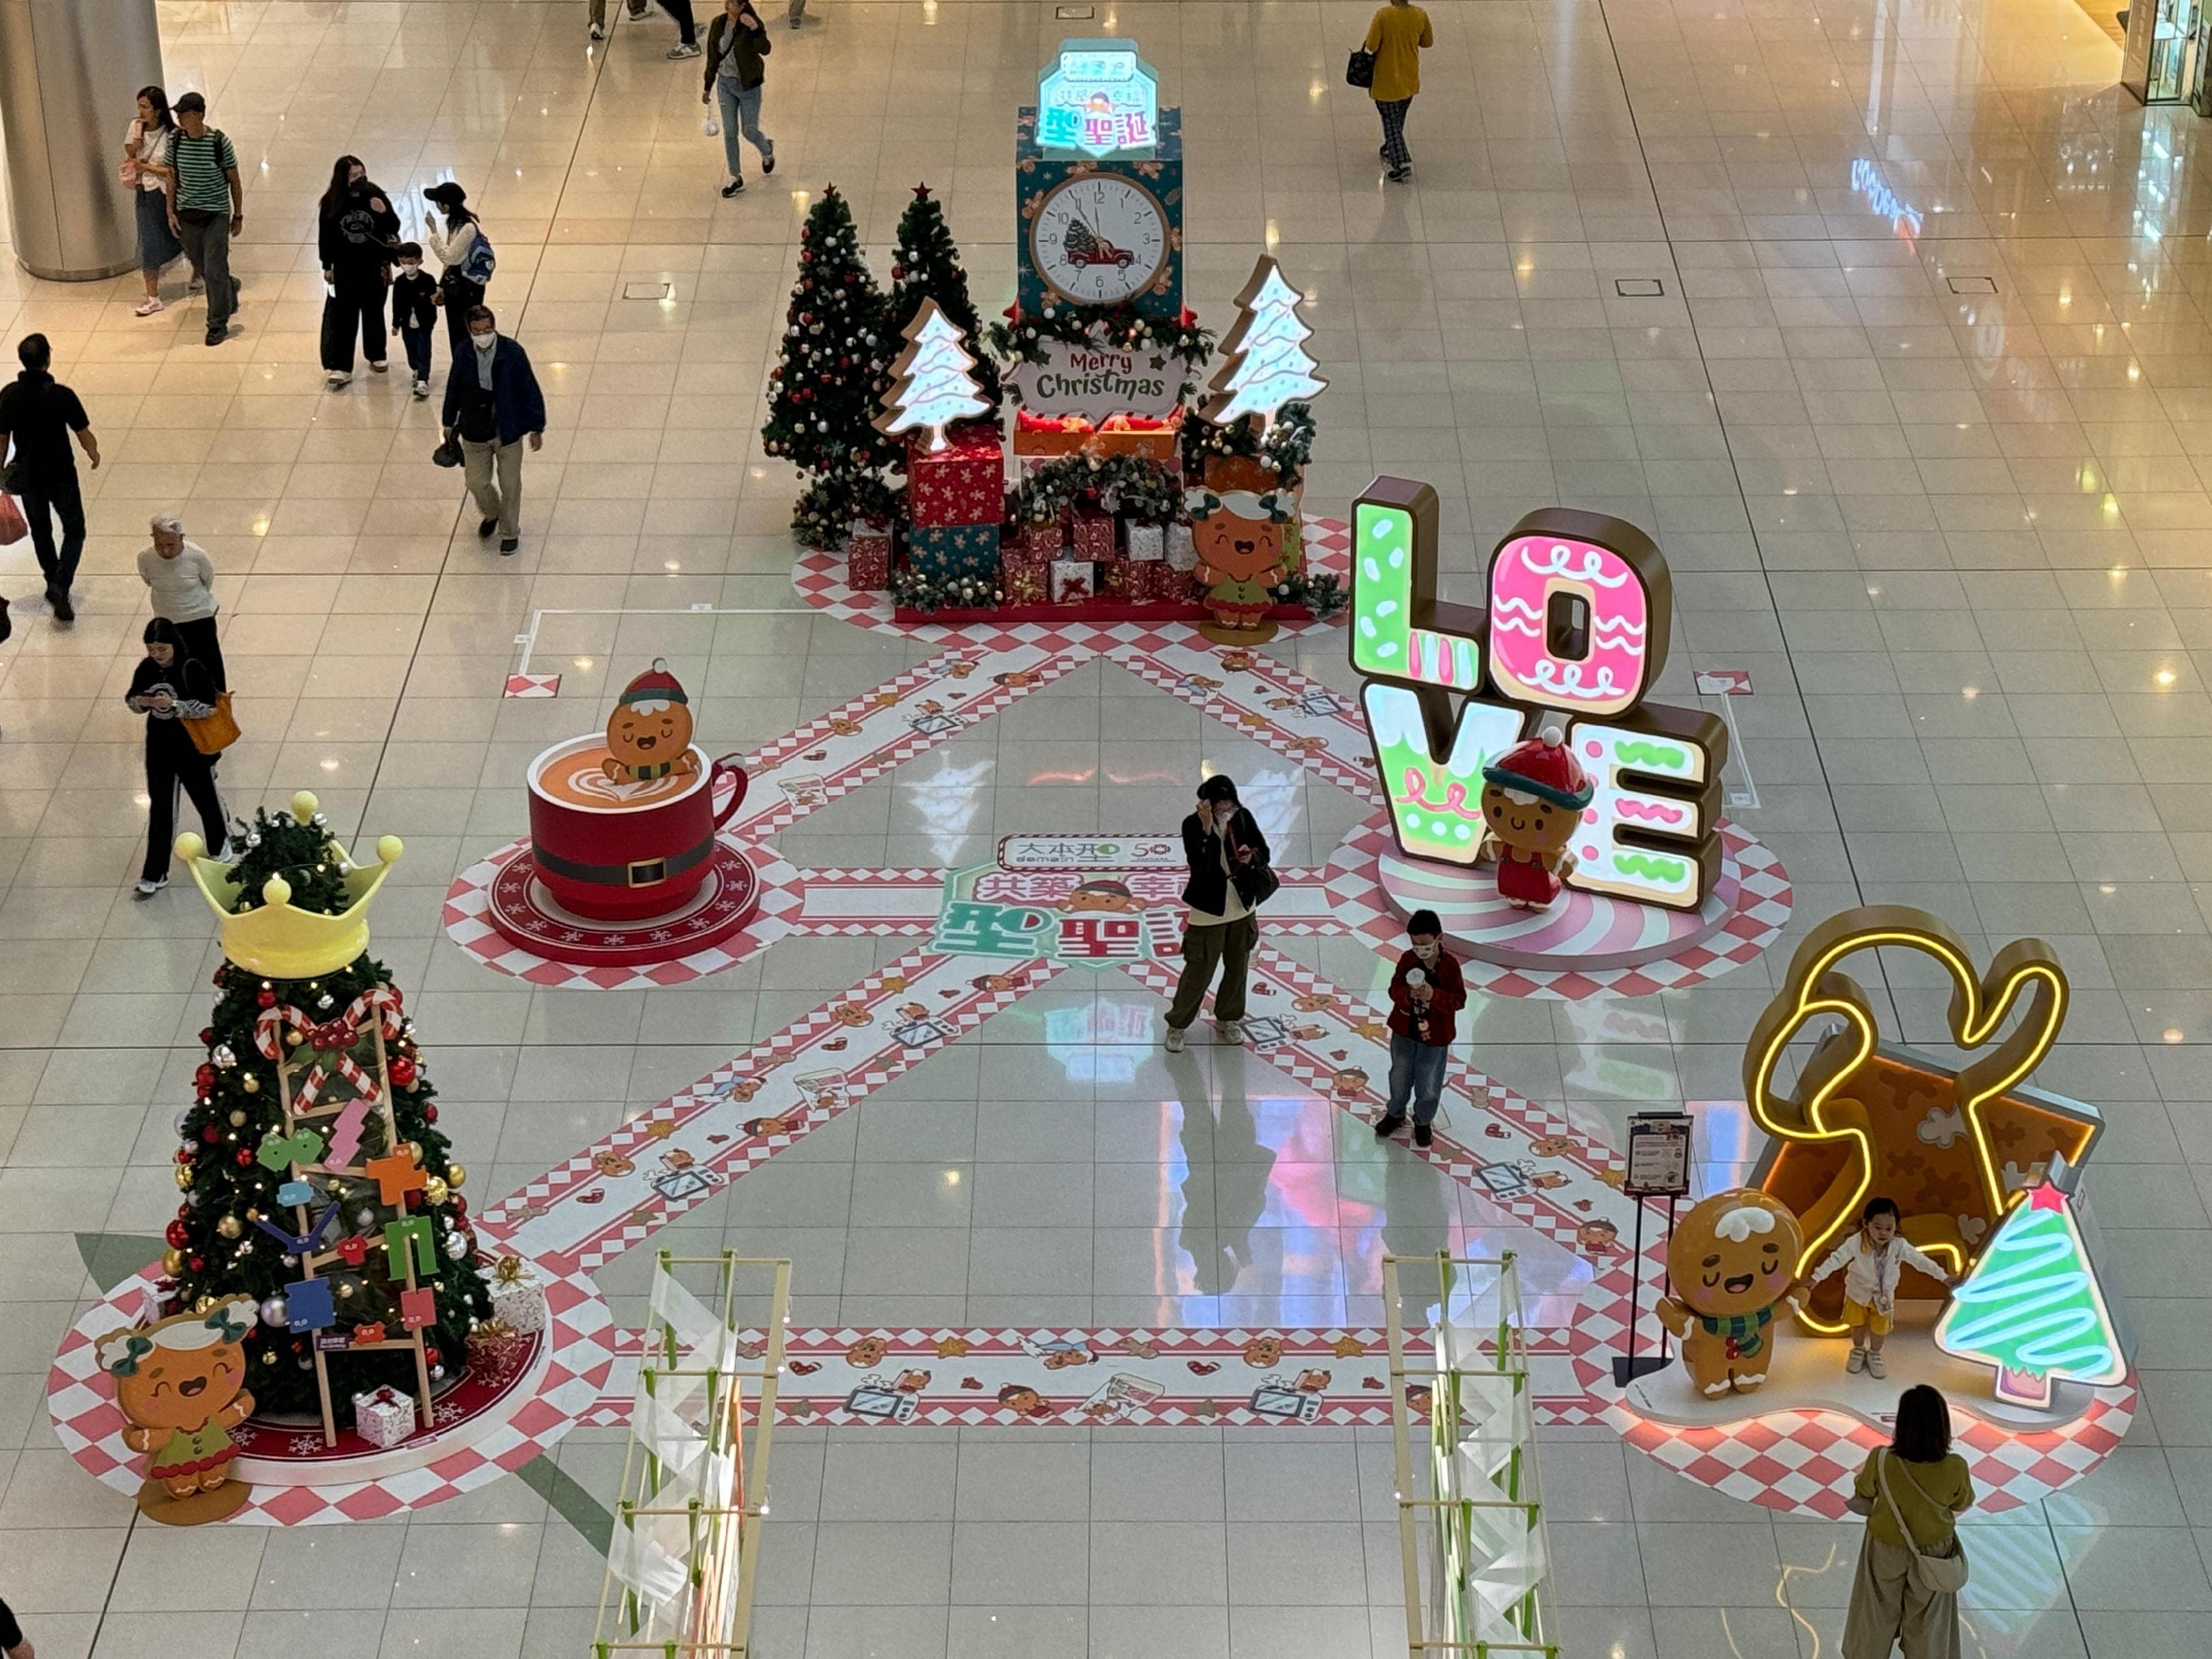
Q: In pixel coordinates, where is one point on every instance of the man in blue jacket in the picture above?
(492, 405)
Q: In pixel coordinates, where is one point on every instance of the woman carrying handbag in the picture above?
(184, 714)
(1911, 1563)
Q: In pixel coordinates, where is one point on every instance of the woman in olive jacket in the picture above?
(735, 45)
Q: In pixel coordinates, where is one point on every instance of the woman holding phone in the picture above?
(1228, 878)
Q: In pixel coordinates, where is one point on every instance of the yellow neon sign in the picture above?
(1826, 1107)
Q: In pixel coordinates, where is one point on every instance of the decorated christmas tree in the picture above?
(926, 265)
(823, 404)
(314, 1179)
(2032, 1306)
(1265, 365)
(933, 380)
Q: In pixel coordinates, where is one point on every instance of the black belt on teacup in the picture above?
(643, 873)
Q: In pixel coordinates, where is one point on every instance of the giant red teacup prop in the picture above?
(617, 851)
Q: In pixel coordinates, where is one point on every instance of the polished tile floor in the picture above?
(1922, 415)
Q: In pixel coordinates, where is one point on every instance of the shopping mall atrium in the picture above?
(1133, 829)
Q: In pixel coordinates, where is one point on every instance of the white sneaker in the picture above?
(422, 389)
(683, 48)
(146, 888)
(335, 380)
(1875, 1366)
(1856, 1362)
(1174, 1040)
(380, 366)
(1230, 1030)
(599, 32)
(148, 306)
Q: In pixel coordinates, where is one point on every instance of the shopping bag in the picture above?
(1359, 70)
(337, 335)
(14, 526)
(213, 734)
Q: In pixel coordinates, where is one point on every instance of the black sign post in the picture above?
(1658, 1166)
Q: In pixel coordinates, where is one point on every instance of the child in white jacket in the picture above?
(1871, 1259)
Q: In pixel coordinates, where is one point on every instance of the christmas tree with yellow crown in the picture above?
(314, 1179)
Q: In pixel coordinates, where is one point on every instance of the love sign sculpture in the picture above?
(1580, 605)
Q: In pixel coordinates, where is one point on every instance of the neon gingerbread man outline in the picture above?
(1580, 612)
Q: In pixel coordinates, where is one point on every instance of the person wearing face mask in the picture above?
(1228, 878)
(358, 233)
(1425, 992)
(414, 314)
(168, 688)
(492, 405)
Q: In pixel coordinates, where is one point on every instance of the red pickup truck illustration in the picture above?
(1085, 246)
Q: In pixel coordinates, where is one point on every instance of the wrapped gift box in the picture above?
(1148, 542)
(963, 484)
(1118, 580)
(1094, 535)
(868, 556)
(517, 1297)
(1026, 584)
(1038, 544)
(385, 1417)
(1182, 552)
(1074, 580)
(954, 550)
(1162, 580)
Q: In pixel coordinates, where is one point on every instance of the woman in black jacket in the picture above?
(169, 687)
(1229, 876)
(735, 45)
(358, 235)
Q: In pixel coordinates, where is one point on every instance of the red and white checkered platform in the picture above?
(1588, 945)
(818, 578)
(1803, 1461)
(478, 1435)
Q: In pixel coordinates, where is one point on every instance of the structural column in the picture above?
(69, 74)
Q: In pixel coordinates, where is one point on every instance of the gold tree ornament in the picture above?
(1957, 1148)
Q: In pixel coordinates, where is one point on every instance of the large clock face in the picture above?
(1098, 239)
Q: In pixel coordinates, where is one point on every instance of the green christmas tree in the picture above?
(239, 1231)
(2032, 1306)
(822, 406)
(926, 265)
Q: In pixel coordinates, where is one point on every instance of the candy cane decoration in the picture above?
(268, 1037)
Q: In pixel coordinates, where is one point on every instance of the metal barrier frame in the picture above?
(1449, 1512)
(714, 1619)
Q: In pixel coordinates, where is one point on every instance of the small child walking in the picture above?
(1871, 1259)
(415, 313)
(1425, 992)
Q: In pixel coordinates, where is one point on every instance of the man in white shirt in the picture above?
(179, 580)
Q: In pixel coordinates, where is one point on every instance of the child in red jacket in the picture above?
(1425, 992)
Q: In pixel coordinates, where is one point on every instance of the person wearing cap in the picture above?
(1425, 992)
(1532, 797)
(207, 207)
(1228, 859)
(492, 405)
(179, 580)
(451, 243)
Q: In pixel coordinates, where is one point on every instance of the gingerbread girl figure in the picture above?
(181, 1385)
(1532, 797)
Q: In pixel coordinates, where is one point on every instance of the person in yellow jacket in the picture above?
(1396, 35)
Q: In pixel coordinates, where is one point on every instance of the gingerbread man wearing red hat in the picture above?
(649, 733)
(1532, 797)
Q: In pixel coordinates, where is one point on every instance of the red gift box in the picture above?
(1118, 580)
(868, 558)
(964, 482)
(1037, 544)
(1024, 584)
(1160, 580)
(1094, 535)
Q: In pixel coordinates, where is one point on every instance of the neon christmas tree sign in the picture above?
(2031, 1307)
(934, 384)
(1265, 363)
(1580, 605)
